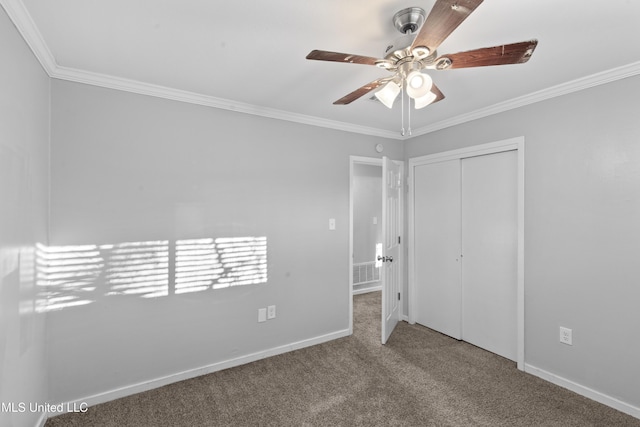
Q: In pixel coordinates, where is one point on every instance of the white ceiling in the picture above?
(250, 55)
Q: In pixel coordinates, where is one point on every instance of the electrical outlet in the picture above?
(271, 312)
(565, 336)
(262, 315)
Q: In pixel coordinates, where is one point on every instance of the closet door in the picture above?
(489, 247)
(437, 246)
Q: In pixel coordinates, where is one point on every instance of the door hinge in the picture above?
(398, 239)
(398, 296)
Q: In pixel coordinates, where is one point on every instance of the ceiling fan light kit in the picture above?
(416, 50)
(388, 94)
(424, 100)
(418, 84)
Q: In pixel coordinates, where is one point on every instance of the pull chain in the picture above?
(402, 108)
(409, 113)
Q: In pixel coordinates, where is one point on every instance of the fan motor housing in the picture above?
(409, 20)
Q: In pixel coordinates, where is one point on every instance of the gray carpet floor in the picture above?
(419, 378)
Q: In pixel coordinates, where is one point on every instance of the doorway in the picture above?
(376, 258)
(453, 269)
(365, 227)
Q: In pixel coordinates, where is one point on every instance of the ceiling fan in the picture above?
(416, 51)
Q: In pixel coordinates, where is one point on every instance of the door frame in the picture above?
(374, 161)
(511, 144)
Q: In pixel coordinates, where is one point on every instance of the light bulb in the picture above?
(418, 84)
(417, 81)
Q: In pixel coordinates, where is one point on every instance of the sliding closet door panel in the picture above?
(437, 246)
(489, 248)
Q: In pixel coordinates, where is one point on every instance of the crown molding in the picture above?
(111, 82)
(587, 82)
(117, 83)
(21, 18)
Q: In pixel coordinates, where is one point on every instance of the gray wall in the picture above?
(582, 229)
(24, 148)
(131, 168)
(128, 168)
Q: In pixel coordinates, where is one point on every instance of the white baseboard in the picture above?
(42, 420)
(192, 373)
(584, 391)
(180, 376)
(366, 290)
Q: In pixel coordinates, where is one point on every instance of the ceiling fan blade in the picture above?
(514, 53)
(445, 16)
(323, 55)
(361, 91)
(438, 93)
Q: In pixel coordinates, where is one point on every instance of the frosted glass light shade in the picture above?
(388, 94)
(423, 101)
(418, 84)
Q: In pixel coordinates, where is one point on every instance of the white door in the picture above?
(465, 249)
(437, 246)
(489, 246)
(391, 187)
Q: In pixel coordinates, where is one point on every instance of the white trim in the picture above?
(477, 150)
(133, 86)
(520, 306)
(590, 393)
(403, 238)
(192, 373)
(117, 83)
(576, 85)
(42, 420)
(24, 23)
(21, 18)
(367, 290)
(474, 150)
